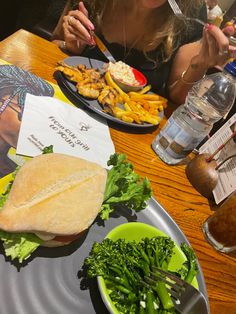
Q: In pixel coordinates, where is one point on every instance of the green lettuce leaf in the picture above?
(4, 195)
(124, 187)
(19, 245)
(48, 149)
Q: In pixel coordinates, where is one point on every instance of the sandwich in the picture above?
(54, 198)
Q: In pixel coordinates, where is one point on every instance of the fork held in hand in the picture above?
(176, 9)
(186, 298)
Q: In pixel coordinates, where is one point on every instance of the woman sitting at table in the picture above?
(172, 53)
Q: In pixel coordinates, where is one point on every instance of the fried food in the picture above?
(111, 83)
(88, 91)
(72, 73)
(93, 74)
(137, 96)
(92, 83)
(138, 107)
(108, 96)
(145, 89)
(89, 81)
(91, 87)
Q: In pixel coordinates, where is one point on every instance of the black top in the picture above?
(157, 73)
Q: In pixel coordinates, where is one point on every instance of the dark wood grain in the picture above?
(170, 185)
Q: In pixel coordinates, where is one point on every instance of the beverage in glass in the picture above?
(220, 228)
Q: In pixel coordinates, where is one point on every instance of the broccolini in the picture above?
(123, 266)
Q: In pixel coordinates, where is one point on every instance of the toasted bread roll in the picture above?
(55, 194)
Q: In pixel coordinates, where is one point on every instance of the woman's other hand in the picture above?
(77, 29)
(215, 48)
(193, 60)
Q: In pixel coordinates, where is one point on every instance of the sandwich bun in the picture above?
(55, 196)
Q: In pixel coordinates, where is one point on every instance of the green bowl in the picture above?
(135, 231)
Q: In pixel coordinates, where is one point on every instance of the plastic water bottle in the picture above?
(206, 103)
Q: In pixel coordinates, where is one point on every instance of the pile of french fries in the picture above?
(138, 107)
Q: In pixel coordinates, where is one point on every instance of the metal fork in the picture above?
(176, 9)
(186, 298)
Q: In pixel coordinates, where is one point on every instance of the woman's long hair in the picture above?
(163, 27)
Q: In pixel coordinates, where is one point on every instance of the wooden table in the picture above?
(170, 185)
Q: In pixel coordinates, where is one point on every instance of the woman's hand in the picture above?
(193, 60)
(77, 29)
(215, 49)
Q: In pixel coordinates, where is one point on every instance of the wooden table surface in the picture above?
(170, 185)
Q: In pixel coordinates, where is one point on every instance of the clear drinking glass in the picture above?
(220, 228)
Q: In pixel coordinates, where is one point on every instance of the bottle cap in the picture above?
(231, 67)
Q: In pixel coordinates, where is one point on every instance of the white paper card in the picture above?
(72, 131)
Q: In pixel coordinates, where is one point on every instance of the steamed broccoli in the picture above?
(123, 265)
(191, 263)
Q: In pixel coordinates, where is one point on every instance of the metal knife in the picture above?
(103, 48)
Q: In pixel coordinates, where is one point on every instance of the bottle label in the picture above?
(177, 141)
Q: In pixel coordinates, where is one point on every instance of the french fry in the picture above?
(118, 112)
(127, 107)
(111, 83)
(152, 106)
(127, 118)
(155, 103)
(134, 106)
(123, 114)
(152, 97)
(135, 111)
(145, 105)
(152, 120)
(151, 103)
(144, 110)
(133, 95)
(150, 116)
(145, 89)
(135, 117)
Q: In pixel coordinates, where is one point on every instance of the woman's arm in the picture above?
(193, 60)
(185, 71)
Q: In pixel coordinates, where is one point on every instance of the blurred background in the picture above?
(225, 4)
(40, 17)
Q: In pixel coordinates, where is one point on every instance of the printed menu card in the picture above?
(227, 173)
(48, 121)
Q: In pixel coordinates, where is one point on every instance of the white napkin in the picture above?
(72, 131)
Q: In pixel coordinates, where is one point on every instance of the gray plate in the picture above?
(77, 99)
(53, 281)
